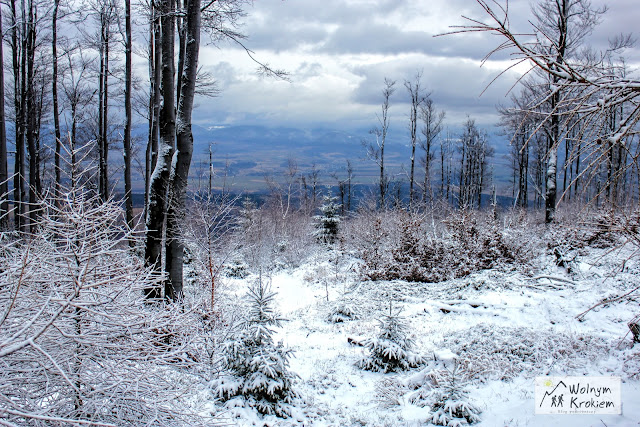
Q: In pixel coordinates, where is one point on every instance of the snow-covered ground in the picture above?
(504, 327)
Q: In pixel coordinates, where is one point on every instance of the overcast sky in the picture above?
(338, 53)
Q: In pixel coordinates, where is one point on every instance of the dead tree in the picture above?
(375, 150)
(417, 100)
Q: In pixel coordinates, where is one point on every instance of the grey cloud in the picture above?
(307, 70)
(375, 38)
(284, 38)
(455, 85)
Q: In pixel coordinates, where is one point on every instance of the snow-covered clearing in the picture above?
(504, 328)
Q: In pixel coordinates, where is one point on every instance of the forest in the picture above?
(422, 292)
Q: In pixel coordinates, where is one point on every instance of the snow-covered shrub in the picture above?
(343, 311)
(409, 246)
(390, 392)
(449, 400)
(256, 369)
(273, 236)
(596, 228)
(492, 352)
(391, 350)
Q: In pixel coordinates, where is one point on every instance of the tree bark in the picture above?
(104, 167)
(100, 109)
(160, 177)
(35, 187)
(155, 68)
(4, 173)
(551, 193)
(54, 95)
(183, 154)
(17, 102)
(127, 126)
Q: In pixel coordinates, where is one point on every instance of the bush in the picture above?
(403, 246)
(499, 353)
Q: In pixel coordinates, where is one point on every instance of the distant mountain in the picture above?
(244, 154)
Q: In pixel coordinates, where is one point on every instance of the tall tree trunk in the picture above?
(35, 187)
(54, 94)
(100, 107)
(551, 193)
(160, 177)
(155, 69)
(18, 98)
(4, 172)
(105, 115)
(183, 154)
(127, 126)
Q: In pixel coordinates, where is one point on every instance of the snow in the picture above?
(499, 307)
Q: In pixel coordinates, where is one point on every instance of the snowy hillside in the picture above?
(497, 328)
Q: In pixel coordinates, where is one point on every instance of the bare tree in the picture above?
(128, 195)
(184, 149)
(375, 150)
(417, 100)
(4, 171)
(105, 12)
(54, 95)
(345, 188)
(159, 184)
(474, 151)
(432, 126)
(155, 68)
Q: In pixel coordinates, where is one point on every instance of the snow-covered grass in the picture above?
(501, 327)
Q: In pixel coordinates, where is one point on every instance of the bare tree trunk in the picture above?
(562, 10)
(155, 68)
(387, 92)
(54, 95)
(100, 107)
(104, 167)
(416, 100)
(183, 154)
(127, 110)
(4, 172)
(35, 187)
(160, 177)
(18, 180)
(349, 179)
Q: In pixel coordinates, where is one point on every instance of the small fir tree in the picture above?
(257, 368)
(391, 350)
(328, 222)
(450, 401)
